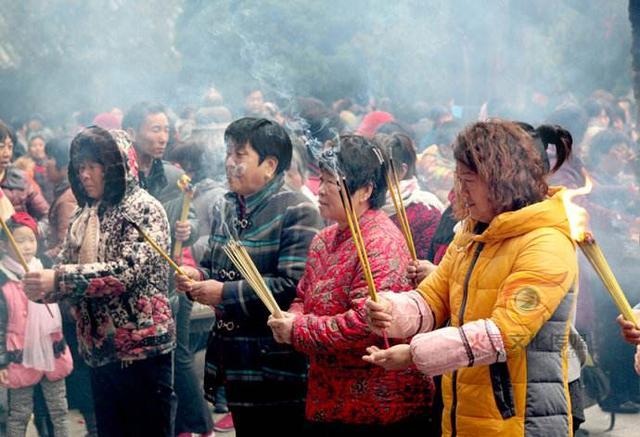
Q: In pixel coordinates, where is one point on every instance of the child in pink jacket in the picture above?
(32, 348)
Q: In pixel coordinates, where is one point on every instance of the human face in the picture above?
(36, 149)
(618, 157)
(26, 242)
(91, 175)
(153, 135)
(245, 174)
(475, 193)
(329, 199)
(54, 175)
(254, 103)
(6, 153)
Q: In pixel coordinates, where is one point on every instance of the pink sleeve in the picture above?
(411, 314)
(477, 343)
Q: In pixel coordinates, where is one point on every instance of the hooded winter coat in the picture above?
(120, 302)
(519, 274)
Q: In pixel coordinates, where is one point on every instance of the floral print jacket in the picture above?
(120, 302)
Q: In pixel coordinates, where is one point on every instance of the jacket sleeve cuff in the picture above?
(411, 314)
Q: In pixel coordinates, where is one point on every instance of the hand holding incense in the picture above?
(184, 183)
(243, 262)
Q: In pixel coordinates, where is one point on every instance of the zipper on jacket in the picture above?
(454, 377)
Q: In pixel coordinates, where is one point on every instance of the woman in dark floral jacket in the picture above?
(347, 396)
(116, 285)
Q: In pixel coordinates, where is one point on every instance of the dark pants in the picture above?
(281, 421)
(193, 414)
(135, 399)
(420, 426)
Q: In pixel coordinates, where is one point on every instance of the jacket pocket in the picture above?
(502, 389)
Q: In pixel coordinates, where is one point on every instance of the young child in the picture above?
(32, 348)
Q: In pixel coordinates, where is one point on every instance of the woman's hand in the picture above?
(4, 377)
(379, 315)
(207, 292)
(282, 327)
(418, 270)
(184, 283)
(630, 331)
(37, 284)
(183, 231)
(397, 357)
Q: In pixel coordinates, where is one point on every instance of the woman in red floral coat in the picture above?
(327, 320)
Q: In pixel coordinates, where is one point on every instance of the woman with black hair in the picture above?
(327, 321)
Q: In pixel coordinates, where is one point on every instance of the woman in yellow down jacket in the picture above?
(493, 318)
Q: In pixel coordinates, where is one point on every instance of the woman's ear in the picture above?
(364, 193)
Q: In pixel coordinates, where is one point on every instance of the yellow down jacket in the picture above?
(520, 273)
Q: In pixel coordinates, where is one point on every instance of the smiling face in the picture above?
(91, 175)
(475, 193)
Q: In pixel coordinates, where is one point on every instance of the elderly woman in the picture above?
(506, 284)
(116, 286)
(327, 320)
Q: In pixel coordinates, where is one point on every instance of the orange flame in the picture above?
(577, 216)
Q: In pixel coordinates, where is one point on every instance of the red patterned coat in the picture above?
(332, 331)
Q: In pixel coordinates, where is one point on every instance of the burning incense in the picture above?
(401, 211)
(396, 197)
(243, 262)
(184, 183)
(354, 227)
(16, 250)
(578, 218)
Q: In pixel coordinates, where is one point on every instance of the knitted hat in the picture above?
(24, 219)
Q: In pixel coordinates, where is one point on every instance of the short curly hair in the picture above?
(507, 158)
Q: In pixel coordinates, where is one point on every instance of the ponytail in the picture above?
(560, 138)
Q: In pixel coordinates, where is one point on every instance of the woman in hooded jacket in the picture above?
(116, 286)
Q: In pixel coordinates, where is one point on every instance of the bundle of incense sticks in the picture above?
(354, 227)
(596, 258)
(401, 212)
(578, 220)
(243, 262)
(184, 183)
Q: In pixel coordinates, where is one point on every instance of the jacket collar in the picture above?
(59, 189)
(156, 180)
(549, 212)
(248, 204)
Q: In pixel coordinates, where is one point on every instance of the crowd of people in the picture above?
(485, 331)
